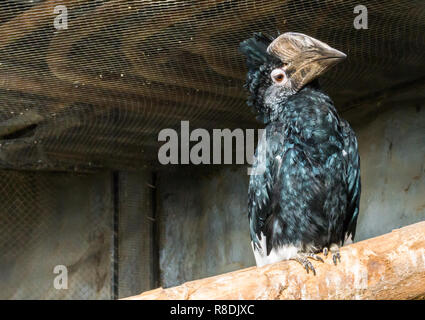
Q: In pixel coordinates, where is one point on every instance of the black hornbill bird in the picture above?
(304, 188)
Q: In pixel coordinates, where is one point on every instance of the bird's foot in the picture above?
(334, 248)
(302, 258)
(314, 256)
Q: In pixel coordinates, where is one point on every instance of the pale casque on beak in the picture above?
(304, 58)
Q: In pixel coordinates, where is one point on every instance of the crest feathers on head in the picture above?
(255, 50)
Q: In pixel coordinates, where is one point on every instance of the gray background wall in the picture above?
(203, 226)
(392, 150)
(55, 219)
(49, 219)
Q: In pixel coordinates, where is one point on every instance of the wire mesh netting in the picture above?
(97, 93)
(49, 220)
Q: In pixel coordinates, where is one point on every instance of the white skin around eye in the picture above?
(278, 76)
(279, 91)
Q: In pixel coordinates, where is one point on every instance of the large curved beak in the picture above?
(305, 57)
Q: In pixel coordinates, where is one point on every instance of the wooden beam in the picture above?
(391, 266)
(20, 122)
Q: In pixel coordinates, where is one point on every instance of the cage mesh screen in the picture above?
(97, 94)
(49, 220)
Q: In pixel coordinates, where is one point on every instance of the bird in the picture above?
(304, 188)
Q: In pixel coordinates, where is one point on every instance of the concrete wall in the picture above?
(392, 150)
(49, 219)
(204, 225)
(137, 253)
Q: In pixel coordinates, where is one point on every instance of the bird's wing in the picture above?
(353, 180)
(286, 171)
(260, 189)
(279, 195)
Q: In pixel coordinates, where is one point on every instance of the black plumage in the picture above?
(305, 188)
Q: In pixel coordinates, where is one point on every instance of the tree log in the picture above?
(391, 266)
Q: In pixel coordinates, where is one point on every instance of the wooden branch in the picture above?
(391, 266)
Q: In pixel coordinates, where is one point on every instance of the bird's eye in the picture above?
(278, 75)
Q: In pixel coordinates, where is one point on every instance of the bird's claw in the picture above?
(335, 254)
(315, 257)
(303, 257)
(307, 265)
(334, 248)
(303, 260)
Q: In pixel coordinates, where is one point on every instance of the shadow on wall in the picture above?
(204, 224)
(392, 150)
